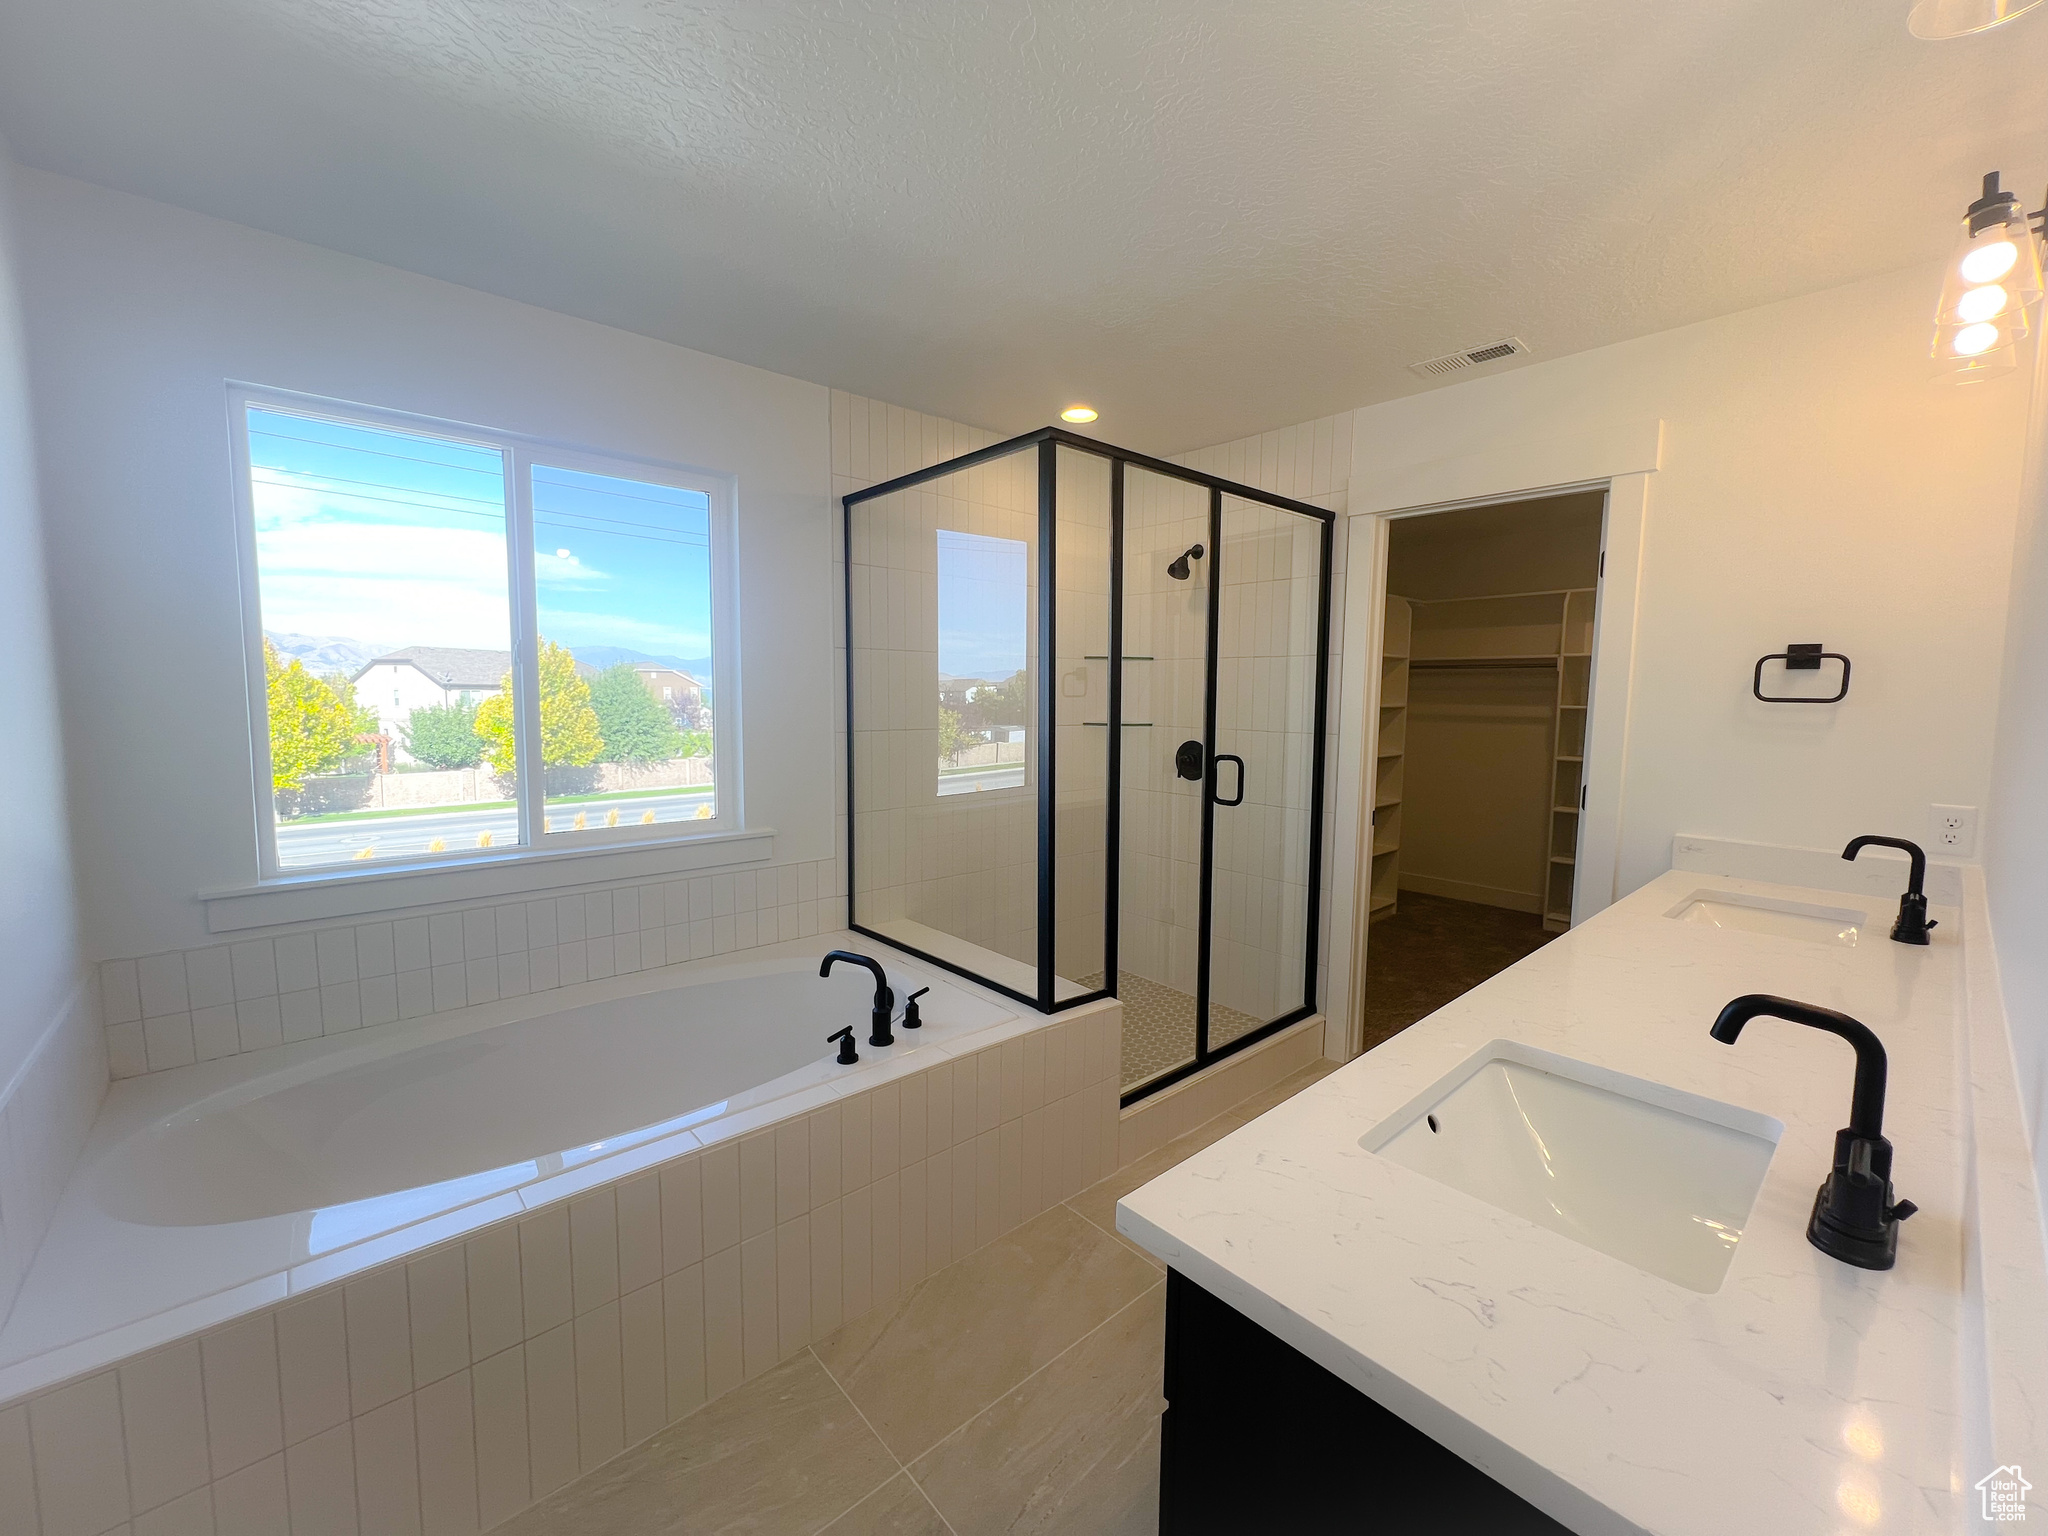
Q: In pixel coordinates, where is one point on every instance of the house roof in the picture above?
(652, 668)
(450, 666)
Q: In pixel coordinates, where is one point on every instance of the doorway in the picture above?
(1488, 618)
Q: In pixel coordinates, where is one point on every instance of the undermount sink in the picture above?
(1650, 1175)
(1767, 914)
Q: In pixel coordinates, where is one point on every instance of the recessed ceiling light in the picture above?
(1078, 413)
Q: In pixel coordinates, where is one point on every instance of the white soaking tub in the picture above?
(212, 1189)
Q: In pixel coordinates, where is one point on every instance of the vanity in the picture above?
(1540, 1262)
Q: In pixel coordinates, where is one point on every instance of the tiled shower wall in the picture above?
(437, 1396)
(172, 1009)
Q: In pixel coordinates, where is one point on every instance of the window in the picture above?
(984, 684)
(464, 642)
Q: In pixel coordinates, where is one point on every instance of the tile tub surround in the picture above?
(170, 1010)
(448, 1389)
(1611, 1399)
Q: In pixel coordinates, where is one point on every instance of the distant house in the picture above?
(677, 690)
(401, 681)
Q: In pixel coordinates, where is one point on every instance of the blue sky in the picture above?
(982, 599)
(397, 539)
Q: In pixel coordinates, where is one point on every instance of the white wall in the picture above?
(2015, 827)
(1815, 485)
(140, 314)
(51, 1071)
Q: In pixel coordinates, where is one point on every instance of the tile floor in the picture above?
(1434, 949)
(1015, 1391)
(1159, 1026)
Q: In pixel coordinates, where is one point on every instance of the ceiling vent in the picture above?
(1457, 362)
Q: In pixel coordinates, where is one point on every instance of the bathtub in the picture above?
(218, 1188)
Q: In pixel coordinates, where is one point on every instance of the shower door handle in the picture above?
(1216, 762)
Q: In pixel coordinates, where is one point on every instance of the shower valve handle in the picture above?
(847, 1054)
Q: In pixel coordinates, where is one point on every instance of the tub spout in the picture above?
(885, 1000)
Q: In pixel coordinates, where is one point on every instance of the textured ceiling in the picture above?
(1204, 218)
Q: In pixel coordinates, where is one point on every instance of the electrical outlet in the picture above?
(1955, 830)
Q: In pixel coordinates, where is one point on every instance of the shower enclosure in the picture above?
(1086, 695)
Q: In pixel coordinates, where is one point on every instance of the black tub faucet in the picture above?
(1854, 1217)
(1912, 926)
(885, 1000)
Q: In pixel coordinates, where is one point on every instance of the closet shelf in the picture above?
(1562, 858)
(1432, 663)
(1571, 810)
(1569, 757)
(1128, 724)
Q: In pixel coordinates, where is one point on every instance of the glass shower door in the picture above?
(1263, 785)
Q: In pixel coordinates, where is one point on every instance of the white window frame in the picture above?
(521, 455)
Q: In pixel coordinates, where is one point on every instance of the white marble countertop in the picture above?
(1804, 1396)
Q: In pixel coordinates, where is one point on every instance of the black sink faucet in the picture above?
(1854, 1218)
(1912, 926)
(885, 1000)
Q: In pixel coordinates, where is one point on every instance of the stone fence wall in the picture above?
(328, 793)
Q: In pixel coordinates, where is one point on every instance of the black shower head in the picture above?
(1179, 569)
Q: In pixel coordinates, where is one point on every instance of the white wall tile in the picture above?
(244, 1416)
(335, 950)
(437, 1293)
(17, 1467)
(379, 1339)
(387, 1471)
(544, 1270)
(120, 993)
(127, 1052)
(724, 1321)
(760, 1304)
(445, 1420)
(300, 1014)
(191, 1515)
(312, 1364)
(163, 1417)
(682, 1218)
(80, 1477)
(162, 980)
(167, 1041)
(298, 963)
(594, 1249)
(682, 1311)
(376, 954)
(497, 1318)
(792, 1169)
(410, 949)
(320, 1483)
(253, 1502)
(551, 1408)
(210, 976)
(600, 1395)
(639, 1230)
(643, 1363)
(215, 1032)
(503, 1455)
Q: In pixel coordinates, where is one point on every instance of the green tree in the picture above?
(949, 733)
(444, 735)
(695, 744)
(314, 721)
(635, 726)
(569, 736)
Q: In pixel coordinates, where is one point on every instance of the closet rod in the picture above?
(1435, 663)
(1490, 597)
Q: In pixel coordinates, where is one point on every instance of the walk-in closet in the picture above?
(1478, 789)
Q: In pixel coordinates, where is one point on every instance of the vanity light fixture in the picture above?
(1993, 281)
(1936, 19)
(1078, 414)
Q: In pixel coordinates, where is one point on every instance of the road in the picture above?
(412, 836)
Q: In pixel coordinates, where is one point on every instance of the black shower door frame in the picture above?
(1049, 440)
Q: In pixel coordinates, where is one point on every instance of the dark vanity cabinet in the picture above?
(1257, 1437)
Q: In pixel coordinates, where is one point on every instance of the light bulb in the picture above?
(1990, 261)
(1081, 413)
(1984, 303)
(1973, 339)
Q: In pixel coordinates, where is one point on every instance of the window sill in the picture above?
(324, 894)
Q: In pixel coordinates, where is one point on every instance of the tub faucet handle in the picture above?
(911, 1020)
(847, 1054)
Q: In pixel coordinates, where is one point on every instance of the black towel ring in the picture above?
(1800, 658)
